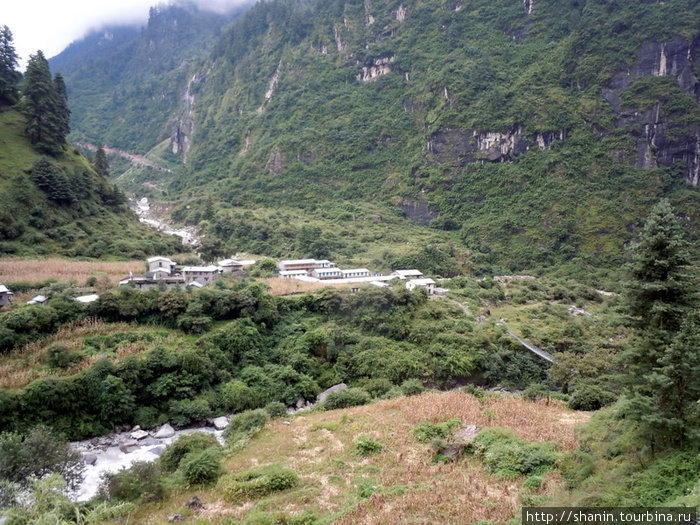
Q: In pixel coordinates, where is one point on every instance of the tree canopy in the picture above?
(45, 104)
(664, 362)
(9, 76)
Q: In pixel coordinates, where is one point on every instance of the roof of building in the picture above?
(422, 282)
(159, 258)
(87, 298)
(408, 273)
(210, 268)
(230, 262)
(297, 261)
(380, 284)
(356, 270)
(195, 284)
(38, 299)
(4, 289)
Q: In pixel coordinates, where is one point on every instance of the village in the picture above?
(165, 273)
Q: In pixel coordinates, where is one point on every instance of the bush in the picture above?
(349, 397)
(536, 391)
(246, 424)
(174, 454)
(411, 387)
(365, 445)
(60, 357)
(257, 483)
(142, 481)
(202, 467)
(276, 409)
(590, 397)
(505, 455)
(426, 431)
(185, 411)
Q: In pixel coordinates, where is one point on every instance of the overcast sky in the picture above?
(50, 25)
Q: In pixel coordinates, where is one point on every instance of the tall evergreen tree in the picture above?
(100, 162)
(9, 76)
(663, 381)
(47, 119)
(62, 111)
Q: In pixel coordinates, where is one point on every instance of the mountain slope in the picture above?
(525, 134)
(61, 206)
(126, 84)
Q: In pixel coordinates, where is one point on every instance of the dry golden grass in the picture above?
(24, 365)
(277, 286)
(35, 270)
(409, 486)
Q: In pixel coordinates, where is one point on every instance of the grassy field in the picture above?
(402, 484)
(38, 270)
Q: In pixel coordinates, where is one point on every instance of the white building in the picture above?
(202, 274)
(162, 265)
(293, 274)
(408, 274)
(297, 264)
(355, 272)
(327, 273)
(230, 265)
(148, 282)
(428, 284)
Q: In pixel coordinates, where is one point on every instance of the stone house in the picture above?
(202, 274)
(428, 284)
(161, 265)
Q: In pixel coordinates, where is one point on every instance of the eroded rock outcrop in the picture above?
(458, 147)
(660, 139)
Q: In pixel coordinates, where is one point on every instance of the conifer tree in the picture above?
(8, 64)
(664, 369)
(62, 111)
(100, 162)
(45, 108)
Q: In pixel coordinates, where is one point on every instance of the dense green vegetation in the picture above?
(287, 138)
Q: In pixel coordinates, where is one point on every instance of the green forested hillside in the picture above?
(59, 205)
(489, 135)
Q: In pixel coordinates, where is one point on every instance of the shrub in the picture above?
(533, 482)
(365, 445)
(60, 357)
(246, 424)
(142, 481)
(257, 483)
(349, 397)
(202, 467)
(276, 409)
(174, 454)
(378, 387)
(426, 431)
(590, 397)
(507, 456)
(536, 391)
(236, 396)
(411, 387)
(185, 411)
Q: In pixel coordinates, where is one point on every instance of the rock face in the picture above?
(418, 211)
(660, 140)
(378, 67)
(458, 147)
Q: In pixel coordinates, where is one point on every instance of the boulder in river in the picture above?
(220, 423)
(164, 432)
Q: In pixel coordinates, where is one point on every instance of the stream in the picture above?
(147, 216)
(116, 451)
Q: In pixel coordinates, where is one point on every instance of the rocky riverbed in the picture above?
(119, 450)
